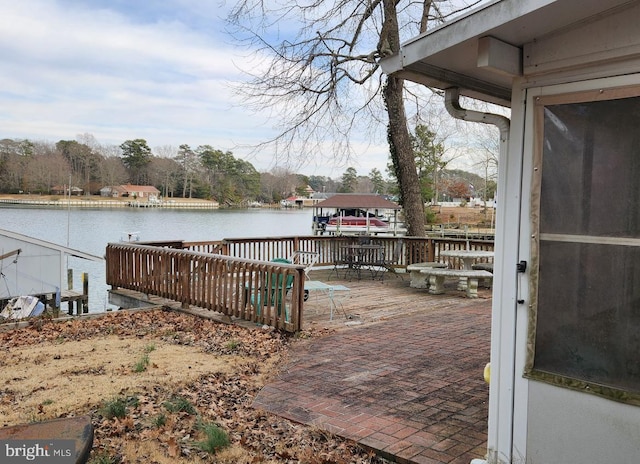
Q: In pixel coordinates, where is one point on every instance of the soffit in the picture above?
(448, 55)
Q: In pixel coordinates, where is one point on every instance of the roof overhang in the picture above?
(481, 52)
(358, 201)
(52, 246)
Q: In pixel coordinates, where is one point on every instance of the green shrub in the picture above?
(430, 216)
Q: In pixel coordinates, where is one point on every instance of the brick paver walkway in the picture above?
(409, 388)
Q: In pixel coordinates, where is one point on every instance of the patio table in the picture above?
(329, 290)
(358, 257)
(468, 258)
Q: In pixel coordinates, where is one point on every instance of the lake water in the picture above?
(91, 230)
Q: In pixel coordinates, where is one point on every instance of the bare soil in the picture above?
(148, 360)
(458, 216)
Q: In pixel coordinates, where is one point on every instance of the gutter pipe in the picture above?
(501, 367)
(452, 104)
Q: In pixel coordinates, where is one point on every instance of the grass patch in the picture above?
(179, 404)
(142, 364)
(232, 344)
(117, 407)
(159, 421)
(215, 438)
(103, 458)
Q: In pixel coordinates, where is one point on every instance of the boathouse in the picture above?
(565, 370)
(355, 204)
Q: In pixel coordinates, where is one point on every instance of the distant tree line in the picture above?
(208, 173)
(203, 172)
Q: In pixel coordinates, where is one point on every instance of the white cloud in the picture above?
(122, 69)
(70, 70)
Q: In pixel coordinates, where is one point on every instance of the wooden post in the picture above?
(185, 279)
(296, 244)
(85, 293)
(69, 279)
(70, 287)
(431, 246)
(56, 303)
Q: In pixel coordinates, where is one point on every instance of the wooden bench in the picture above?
(419, 280)
(437, 276)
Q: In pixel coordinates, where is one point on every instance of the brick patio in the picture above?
(409, 387)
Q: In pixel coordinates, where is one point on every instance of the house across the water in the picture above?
(65, 190)
(131, 191)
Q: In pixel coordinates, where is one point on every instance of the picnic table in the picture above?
(468, 257)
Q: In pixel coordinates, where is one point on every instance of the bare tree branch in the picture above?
(315, 69)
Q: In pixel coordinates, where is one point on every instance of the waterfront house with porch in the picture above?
(131, 191)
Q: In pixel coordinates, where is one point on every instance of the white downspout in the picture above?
(502, 364)
(452, 103)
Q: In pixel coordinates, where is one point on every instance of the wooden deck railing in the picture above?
(258, 291)
(237, 278)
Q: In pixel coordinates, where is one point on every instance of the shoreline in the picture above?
(102, 202)
(96, 201)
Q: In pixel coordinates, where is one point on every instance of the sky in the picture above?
(159, 70)
(120, 70)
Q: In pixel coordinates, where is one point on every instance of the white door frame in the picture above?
(523, 132)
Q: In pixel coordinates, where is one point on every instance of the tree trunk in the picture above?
(402, 155)
(403, 158)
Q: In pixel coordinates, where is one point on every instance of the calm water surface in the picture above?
(90, 231)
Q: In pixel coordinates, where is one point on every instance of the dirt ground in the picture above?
(457, 216)
(149, 362)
